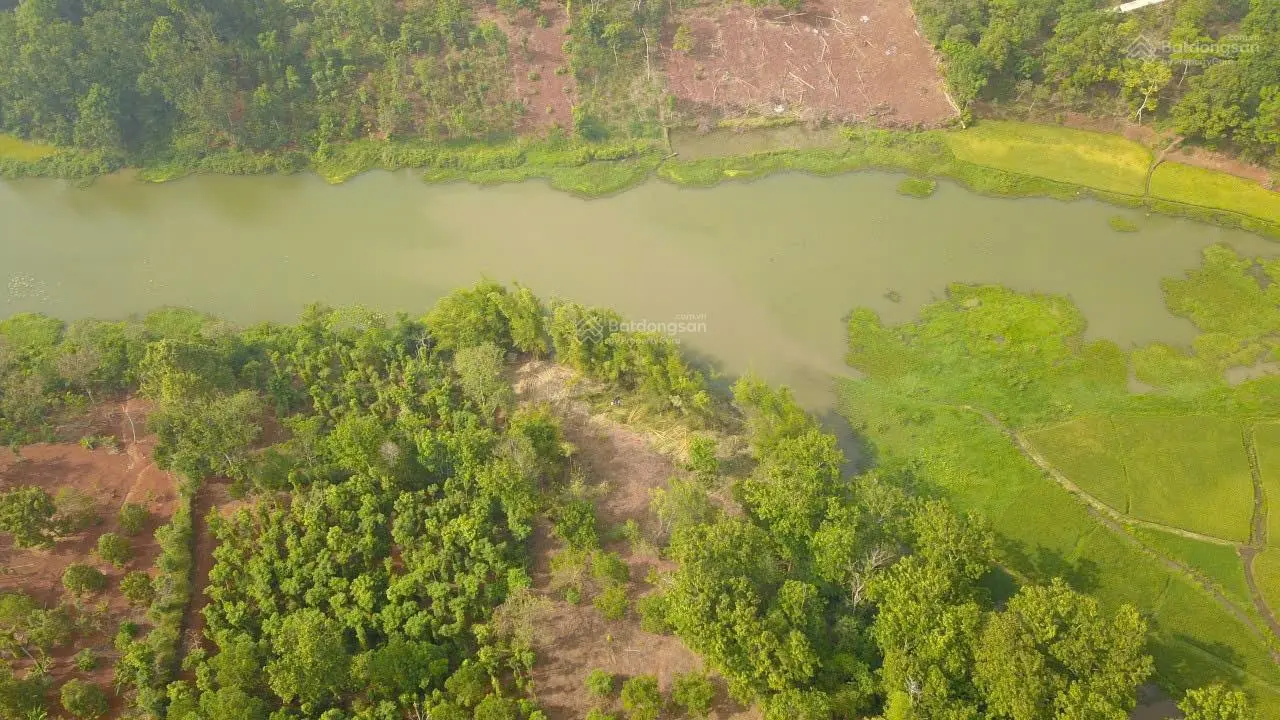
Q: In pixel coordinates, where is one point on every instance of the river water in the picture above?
(761, 272)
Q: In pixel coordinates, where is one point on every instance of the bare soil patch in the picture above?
(572, 640)
(110, 478)
(836, 59)
(1210, 160)
(539, 67)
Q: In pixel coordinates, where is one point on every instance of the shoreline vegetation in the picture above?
(996, 158)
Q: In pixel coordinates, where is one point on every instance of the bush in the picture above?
(600, 683)
(577, 525)
(917, 187)
(598, 714)
(133, 518)
(653, 614)
(86, 660)
(641, 697)
(608, 567)
(82, 579)
(27, 514)
(612, 602)
(137, 589)
(75, 511)
(114, 549)
(693, 692)
(84, 700)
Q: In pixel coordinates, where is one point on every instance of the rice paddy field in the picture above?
(1198, 186)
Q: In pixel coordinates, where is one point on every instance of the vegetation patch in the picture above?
(1266, 572)
(1189, 472)
(1089, 159)
(25, 151)
(1120, 223)
(1266, 440)
(1218, 564)
(917, 187)
(1217, 190)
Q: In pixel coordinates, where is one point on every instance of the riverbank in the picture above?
(997, 158)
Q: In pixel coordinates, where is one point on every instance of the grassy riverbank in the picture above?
(999, 158)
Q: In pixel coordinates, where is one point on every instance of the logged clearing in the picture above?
(1209, 188)
(623, 469)
(540, 70)
(1188, 472)
(851, 60)
(109, 478)
(1091, 159)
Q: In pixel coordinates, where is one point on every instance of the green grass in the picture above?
(1107, 162)
(1266, 573)
(1266, 440)
(1188, 471)
(1209, 188)
(23, 151)
(1219, 564)
(917, 187)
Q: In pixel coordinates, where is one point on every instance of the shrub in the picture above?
(137, 589)
(86, 660)
(84, 700)
(577, 525)
(612, 602)
(27, 514)
(75, 511)
(82, 579)
(653, 614)
(598, 714)
(608, 567)
(641, 698)
(600, 683)
(133, 518)
(693, 692)
(114, 549)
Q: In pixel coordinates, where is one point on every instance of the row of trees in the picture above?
(1218, 83)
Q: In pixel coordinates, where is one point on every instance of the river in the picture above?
(762, 272)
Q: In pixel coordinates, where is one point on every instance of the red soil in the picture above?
(836, 59)
(536, 54)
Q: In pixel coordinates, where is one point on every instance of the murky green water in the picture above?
(769, 267)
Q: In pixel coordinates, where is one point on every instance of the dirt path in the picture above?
(1114, 520)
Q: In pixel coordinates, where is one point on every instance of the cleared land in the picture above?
(539, 68)
(1198, 186)
(1188, 472)
(1099, 160)
(839, 59)
(109, 479)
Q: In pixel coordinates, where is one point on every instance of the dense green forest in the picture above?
(394, 502)
(1208, 68)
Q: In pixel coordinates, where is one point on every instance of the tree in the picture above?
(1142, 81)
(27, 514)
(641, 697)
(81, 579)
(1052, 647)
(133, 518)
(137, 588)
(612, 601)
(480, 374)
(693, 692)
(1215, 702)
(83, 700)
(311, 662)
(114, 549)
(96, 127)
(600, 683)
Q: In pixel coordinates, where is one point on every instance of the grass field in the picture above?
(1266, 438)
(1189, 471)
(1106, 162)
(18, 149)
(1266, 572)
(1218, 563)
(1197, 186)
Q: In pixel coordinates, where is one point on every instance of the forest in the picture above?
(391, 485)
(150, 82)
(1210, 69)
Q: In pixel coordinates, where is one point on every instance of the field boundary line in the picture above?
(1258, 533)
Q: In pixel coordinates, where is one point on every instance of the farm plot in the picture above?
(1189, 472)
